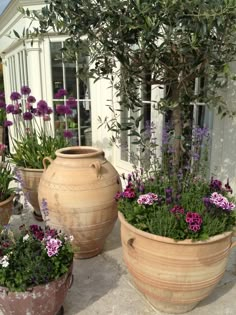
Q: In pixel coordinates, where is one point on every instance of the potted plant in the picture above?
(32, 138)
(35, 270)
(6, 192)
(176, 243)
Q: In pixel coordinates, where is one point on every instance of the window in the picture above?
(65, 76)
(12, 73)
(22, 61)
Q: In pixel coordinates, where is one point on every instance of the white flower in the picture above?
(4, 261)
(71, 238)
(25, 238)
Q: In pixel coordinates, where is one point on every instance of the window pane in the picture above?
(57, 69)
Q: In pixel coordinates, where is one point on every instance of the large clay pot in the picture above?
(44, 299)
(6, 210)
(79, 187)
(174, 276)
(30, 181)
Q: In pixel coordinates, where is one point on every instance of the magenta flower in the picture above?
(37, 231)
(71, 102)
(216, 184)
(2, 147)
(67, 134)
(10, 108)
(68, 110)
(52, 246)
(147, 199)
(60, 93)
(177, 210)
(2, 105)
(25, 90)
(194, 221)
(15, 96)
(221, 202)
(27, 116)
(31, 99)
(129, 193)
(61, 109)
(42, 107)
(50, 111)
(8, 123)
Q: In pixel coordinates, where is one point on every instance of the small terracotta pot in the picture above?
(6, 210)
(39, 300)
(30, 182)
(174, 276)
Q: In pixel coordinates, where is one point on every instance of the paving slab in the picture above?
(102, 285)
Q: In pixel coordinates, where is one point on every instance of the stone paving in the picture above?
(102, 285)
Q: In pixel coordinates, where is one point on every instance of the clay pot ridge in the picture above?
(79, 152)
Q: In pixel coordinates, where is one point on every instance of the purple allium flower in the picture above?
(221, 202)
(71, 102)
(60, 93)
(2, 96)
(8, 123)
(17, 111)
(50, 111)
(25, 90)
(31, 99)
(2, 105)
(67, 134)
(27, 116)
(10, 108)
(68, 110)
(15, 96)
(53, 246)
(42, 107)
(61, 109)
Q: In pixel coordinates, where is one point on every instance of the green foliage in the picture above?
(6, 178)
(25, 261)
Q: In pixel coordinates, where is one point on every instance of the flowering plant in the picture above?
(31, 131)
(6, 178)
(186, 207)
(32, 256)
(2, 109)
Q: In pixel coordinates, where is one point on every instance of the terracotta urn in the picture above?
(44, 299)
(6, 210)
(79, 188)
(174, 276)
(30, 181)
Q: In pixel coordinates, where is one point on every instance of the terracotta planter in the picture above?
(174, 276)
(30, 182)
(79, 187)
(39, 300)
(6, 210)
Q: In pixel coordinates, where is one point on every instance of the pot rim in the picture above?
(10, 198)
(164, 239)
(26, 169)
(95, 152)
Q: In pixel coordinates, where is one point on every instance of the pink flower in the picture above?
(147, 199)
(221, 202)
(53, 246)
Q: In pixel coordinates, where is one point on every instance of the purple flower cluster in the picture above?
(147, 199)
(63, 110)
(15, 96)
(215, 184)
(61, 93)
(68, 134)
(177, 210)
(221, 202)
(71, 102)
(129, 192)
(25, 90)
(194, 221)
(37, 232)
(52, 246)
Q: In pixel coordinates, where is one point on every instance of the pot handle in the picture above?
(97, 165)
(130, 242)
(69, 280)
(47, 158)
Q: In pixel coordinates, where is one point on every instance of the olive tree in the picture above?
(171, 43)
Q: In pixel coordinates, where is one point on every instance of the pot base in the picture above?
(37, 217)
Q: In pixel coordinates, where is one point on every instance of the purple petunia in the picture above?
(25, 90)
(15, 96)
(31, 99)
(67, 134)
(27, 116)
